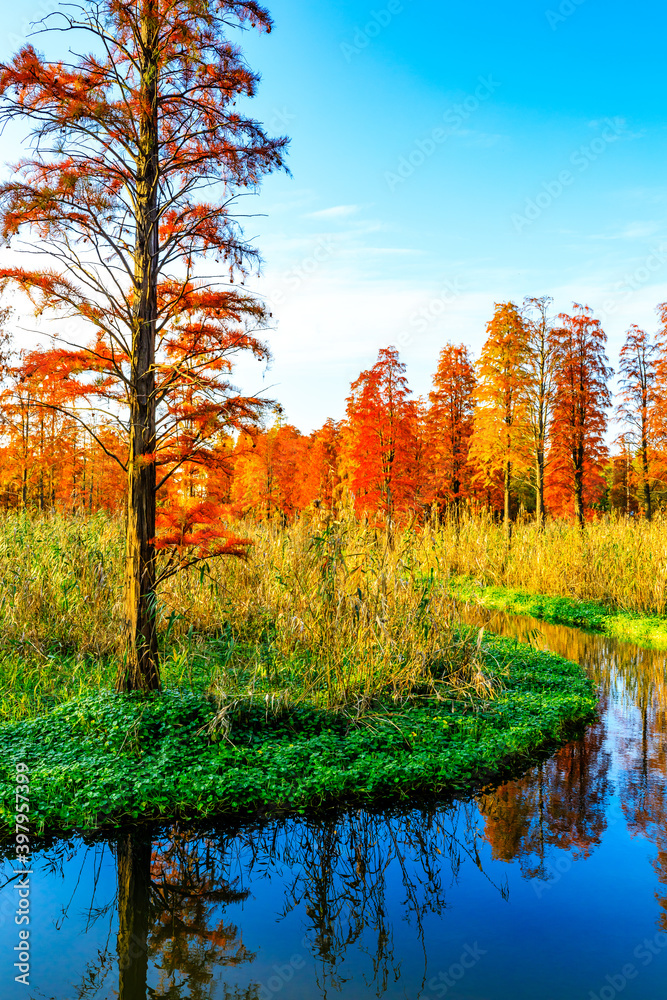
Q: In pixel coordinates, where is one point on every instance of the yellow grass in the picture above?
(323, 609)
(617, 561)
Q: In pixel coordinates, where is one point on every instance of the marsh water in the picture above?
(549, 887)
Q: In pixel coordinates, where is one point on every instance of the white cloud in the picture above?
(335, 212)
(631, 231)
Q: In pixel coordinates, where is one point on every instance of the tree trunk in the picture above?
(140, 670)
(507, 491)
(539, 487)
(25, 445)
(41, 464)
(648, 513)
(579, 494)
(390, 515)
(133, 874)
(456, 491)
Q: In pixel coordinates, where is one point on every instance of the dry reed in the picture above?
(323, 609)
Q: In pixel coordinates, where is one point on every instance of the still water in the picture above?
(550, 887)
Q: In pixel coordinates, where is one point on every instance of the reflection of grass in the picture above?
(105, 758)
(645, 630)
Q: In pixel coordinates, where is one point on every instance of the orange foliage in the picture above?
(501, 436)
(381, 438)
(394, 455)
(325, 465)
(152, 147)
(449, 425)
(271, 474)
(579, 421)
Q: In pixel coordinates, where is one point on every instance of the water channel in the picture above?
(549, 887)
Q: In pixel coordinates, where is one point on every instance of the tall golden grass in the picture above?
(617, 561)
(324, 609)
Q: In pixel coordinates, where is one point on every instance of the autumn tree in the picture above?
(502, 429)
(422, 491)
(17, 406)
(449, 425)
(579, 417)
(138, 150)
(540, 367)
(380, 437)
(637, 370)
(46, 461)
(622, 485)
(324, 465)
(271, 473)
(658, 411)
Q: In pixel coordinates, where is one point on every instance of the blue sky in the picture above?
(446, 156)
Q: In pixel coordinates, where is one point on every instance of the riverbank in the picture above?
(104, 760)
(643, 629)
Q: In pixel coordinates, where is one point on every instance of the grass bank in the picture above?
(644, 630)
(323, 612)
(104, 759)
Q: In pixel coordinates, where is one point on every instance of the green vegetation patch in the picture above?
(107, 759)
(645, 630)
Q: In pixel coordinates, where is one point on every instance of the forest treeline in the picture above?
(524, 428)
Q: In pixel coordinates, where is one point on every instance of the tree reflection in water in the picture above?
(174, 886)
(562, 803)
(172, 890)
(340, 870)
(643, 750)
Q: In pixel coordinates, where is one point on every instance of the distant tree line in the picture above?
(520, 431)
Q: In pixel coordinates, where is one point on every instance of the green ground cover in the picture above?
(104, 759)
(645, 630)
